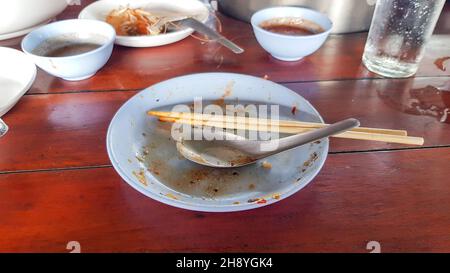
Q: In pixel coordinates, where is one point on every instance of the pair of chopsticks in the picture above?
(284, 126)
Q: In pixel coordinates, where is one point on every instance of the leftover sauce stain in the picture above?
(140, 175)
(266, 165)
(171, 196)
(291, 26)
(444, 116)
(440, 63)
(159, 156)
(425, 101)
(263, 200)
(276, 196)
(312, 158)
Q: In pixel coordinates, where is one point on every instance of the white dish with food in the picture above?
(152, 9)
(17, 74)
(142, 151)
(22, 16)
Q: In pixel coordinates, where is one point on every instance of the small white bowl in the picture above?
(99, 10)
(17, 74)
(289, 47)
(75, 67)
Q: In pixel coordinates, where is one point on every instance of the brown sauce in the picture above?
(71, 50)
(293, 27)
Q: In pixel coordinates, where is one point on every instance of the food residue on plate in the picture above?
(140, 175)
(293, 26)
(266, 165)
(294, 110)
(257, 200)
(261, 201)
(227, 93)
(440, 63)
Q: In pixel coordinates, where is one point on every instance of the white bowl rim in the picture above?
(104, 45)
(325, 33)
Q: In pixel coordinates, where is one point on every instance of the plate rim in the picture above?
(26, 87)
(148, 40)
(207, 208)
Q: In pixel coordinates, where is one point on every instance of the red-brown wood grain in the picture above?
(395, 198)
(69, 130)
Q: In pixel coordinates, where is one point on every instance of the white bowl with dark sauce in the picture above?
(290, 33)
(71, 49)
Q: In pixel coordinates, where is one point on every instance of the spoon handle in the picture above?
(3, 128)
(212, 34)
(300, 139)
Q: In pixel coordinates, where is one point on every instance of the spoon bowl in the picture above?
(229, 151)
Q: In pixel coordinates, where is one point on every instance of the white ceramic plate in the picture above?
(19, 15)
(142, 152)
(100, 9)
(17, 74)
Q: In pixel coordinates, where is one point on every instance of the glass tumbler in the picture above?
(398, 34)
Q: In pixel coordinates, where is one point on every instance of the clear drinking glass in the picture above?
(398, 34)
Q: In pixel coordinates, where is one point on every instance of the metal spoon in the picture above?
(236, 151)
(3, 128)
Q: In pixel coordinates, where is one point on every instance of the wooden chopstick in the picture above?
(281, 123)
(296, 130)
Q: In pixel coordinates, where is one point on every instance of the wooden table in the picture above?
(57, 184)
